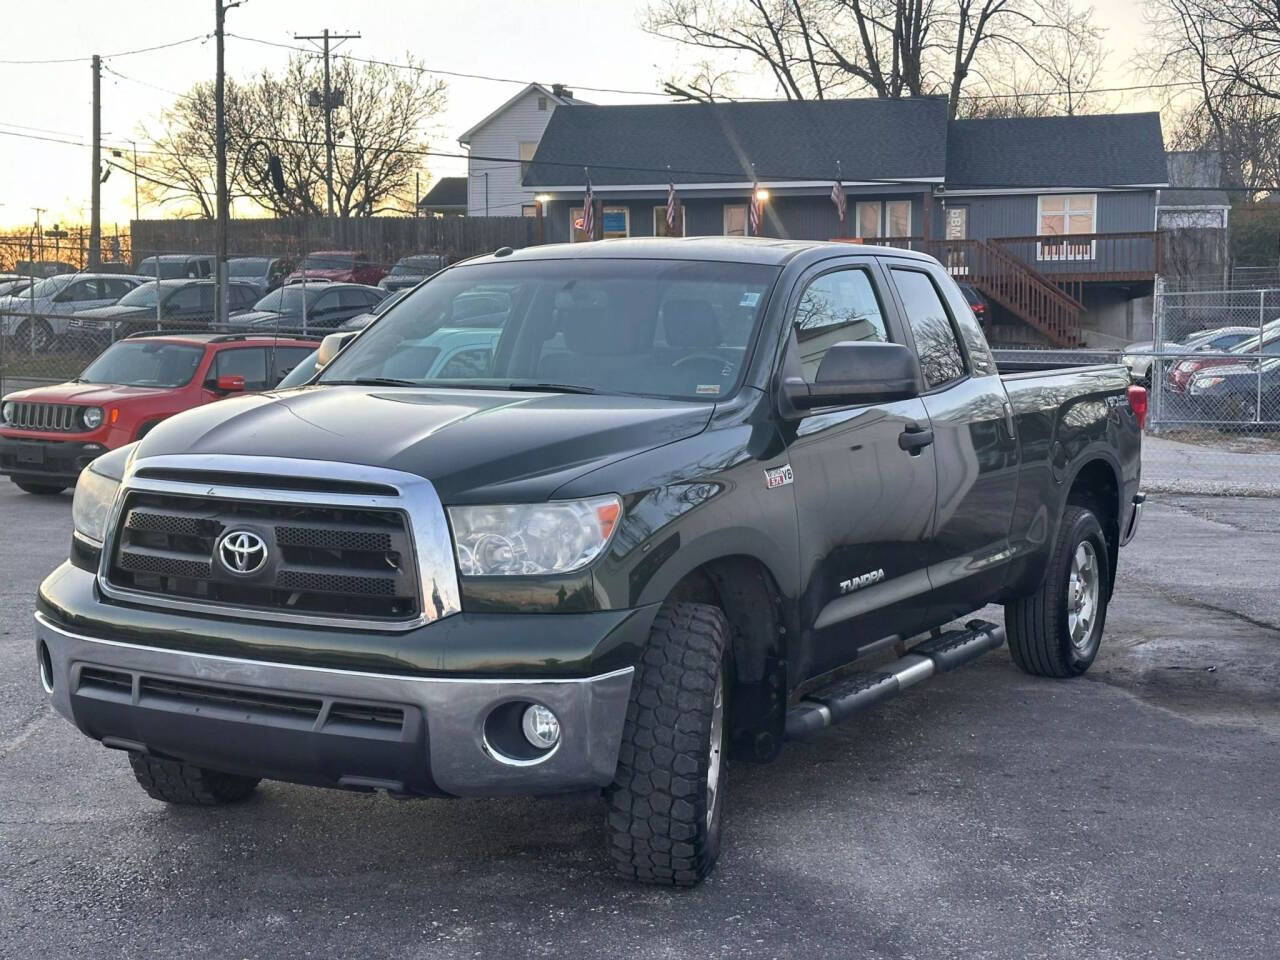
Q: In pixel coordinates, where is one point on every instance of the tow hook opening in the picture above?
(521, 733)
(46, 667)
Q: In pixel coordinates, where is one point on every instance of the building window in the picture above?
(867, 219)
(529, 210)
(897, 218)
(660, 228)
(874, 219)
(1066, 215)
(614, 222)
(527, 150)
(542, 103)
(735, 219)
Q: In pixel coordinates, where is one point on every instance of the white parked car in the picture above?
(1138, 357)
(35, 318)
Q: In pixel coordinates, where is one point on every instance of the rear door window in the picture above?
(938, 347)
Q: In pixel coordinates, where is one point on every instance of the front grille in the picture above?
(320, 560)
(52, 417)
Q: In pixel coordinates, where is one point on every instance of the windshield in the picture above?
(248, 266)
(382, 306)
(145, 363)
(667, 328)
(143, 296)
(327, 261)
(1251, 345)
(300, 374)
(287, 299)
(169, 269)
(47, 288)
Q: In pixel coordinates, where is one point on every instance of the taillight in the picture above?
(1138, 404)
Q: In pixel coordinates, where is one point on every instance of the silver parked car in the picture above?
(37, 317)
(1138, 357)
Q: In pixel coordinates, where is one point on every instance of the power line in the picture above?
(106, 56)
(446, 73)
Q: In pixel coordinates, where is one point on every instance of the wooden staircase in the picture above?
(1032, 298)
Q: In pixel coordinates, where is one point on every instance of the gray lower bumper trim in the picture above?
(591, 710)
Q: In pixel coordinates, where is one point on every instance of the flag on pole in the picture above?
(838, 198)
(754, 210)
(671, 207)
(589, 212)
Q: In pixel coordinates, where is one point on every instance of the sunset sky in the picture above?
(582, 44)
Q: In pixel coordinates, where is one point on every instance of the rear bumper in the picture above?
(338, 728)
(47, 460)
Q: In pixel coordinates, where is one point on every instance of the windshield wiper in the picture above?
(551, 388)
(372, 382)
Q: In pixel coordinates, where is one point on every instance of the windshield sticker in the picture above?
(749, 299)
(708, 388)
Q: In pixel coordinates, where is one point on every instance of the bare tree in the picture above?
(1051, 70)
(814, 49)
(1220, 63)
(179, 169)
(378, 134)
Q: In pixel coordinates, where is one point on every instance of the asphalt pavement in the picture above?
(1129, 814)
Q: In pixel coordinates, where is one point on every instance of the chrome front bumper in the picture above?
(242, 716)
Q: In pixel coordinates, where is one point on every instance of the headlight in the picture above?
(6, 413)
(1204, 383)
(92, 417)
(533, 539)
(92, 504)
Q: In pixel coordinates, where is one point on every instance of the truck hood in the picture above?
(474, 445)
(89, 394)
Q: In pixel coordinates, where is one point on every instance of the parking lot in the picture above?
(1130, 814)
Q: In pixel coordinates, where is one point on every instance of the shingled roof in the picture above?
(1092, 151)
(717, 143)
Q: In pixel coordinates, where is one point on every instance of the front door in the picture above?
(974, 446)
(864, 503)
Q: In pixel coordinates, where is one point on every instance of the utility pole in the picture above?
(95, 201)
(220, 149)
(327, 103)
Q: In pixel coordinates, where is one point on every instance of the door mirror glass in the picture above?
(856, 372)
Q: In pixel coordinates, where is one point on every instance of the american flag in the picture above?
(837, 197)
(753, 210)
(671, 206)
(589, 213)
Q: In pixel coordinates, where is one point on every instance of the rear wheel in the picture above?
(181, 783)
(1056, 631)
(666, 802)
(39, 489)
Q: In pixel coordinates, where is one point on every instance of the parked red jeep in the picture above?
(341, 266)
(49, 434)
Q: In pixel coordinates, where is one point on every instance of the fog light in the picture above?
(541, 728)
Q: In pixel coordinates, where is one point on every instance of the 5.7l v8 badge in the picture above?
(777, 476)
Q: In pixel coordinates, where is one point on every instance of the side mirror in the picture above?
(856, 372)
(230, 383)
(331, 345)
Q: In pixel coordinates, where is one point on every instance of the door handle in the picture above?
(915, 437)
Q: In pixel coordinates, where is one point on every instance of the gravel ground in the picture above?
(1130, 814)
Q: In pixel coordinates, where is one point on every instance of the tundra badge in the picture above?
(865, 580)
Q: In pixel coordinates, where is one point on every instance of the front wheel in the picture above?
(1056, 631)
(667, 799)
(186, 785)
(34, 335)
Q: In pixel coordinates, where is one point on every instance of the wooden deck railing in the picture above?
(1116, 257)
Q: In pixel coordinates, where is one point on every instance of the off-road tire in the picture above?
(39, 489)
(187, 785)
(659, 830)
(1036, 625)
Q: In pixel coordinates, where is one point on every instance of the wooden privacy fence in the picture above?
(385, 239)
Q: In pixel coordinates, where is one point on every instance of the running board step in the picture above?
(855, 693)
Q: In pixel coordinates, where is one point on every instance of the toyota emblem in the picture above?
(242, 551)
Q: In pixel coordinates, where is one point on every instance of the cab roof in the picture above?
(759, 250)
